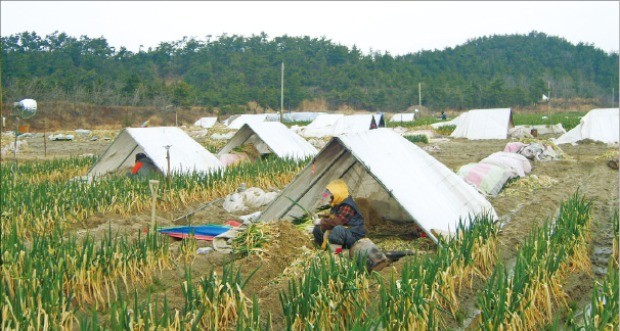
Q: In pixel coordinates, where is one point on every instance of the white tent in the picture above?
(186, 155)
(206, 122)
(321, 126)
(403, 117)
(598, 124)
(238, 122)
(400, 180)
(303, 116)
(483, 124)
(356, 123)
(271, 137)
(379, 120)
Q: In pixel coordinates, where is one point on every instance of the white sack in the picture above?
(515, 164)
(249, 199)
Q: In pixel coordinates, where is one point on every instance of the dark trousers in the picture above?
(339, 235)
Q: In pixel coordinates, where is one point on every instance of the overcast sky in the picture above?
(398, 27)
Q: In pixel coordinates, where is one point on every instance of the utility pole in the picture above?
(419, 94)
(613, 97)
(167, 147)
(45, 134)
(282, 93)
(549, 101)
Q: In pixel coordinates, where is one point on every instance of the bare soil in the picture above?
(584, 170)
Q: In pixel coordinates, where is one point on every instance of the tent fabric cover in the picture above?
(354, 123)
(238, 122)
(403, 117)
(206, 122)
(321, 126)
(186, 155)
(487, 178)
(400, 180)
(379, 120)
(598, 124)
(483, 124)
(302, 116)
(270, 137)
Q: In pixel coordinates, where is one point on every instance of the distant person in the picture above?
(144, 166)
(443, 115)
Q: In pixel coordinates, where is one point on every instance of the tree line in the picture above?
(232, 72)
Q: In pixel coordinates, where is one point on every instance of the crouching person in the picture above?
(344, 224)
(144, 167)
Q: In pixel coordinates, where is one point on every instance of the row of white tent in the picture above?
(400, 180)
(322, 125)
(598, 124)
(173, 150)
(331, 125)
(236, 122)
(186, 155)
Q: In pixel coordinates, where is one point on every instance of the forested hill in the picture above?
(229, 72)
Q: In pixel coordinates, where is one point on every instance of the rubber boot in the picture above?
(375, 258)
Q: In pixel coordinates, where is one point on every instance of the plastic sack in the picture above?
(251, 198)
(488, 179)
(516, 164)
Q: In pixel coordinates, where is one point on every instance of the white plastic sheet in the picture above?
(250, 198)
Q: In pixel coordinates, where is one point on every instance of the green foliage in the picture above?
(417, 138)
(514, 299)
(298, 123)
(419, 121)
(331, 295)
(568, 120)
(231, 70)
(415, 299)
(49, 201)
(604, 304)
(445, 130)
(48, 274)
(253, 239)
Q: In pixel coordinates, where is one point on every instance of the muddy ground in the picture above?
(584, 168)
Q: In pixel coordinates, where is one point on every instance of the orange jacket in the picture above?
(137, 167)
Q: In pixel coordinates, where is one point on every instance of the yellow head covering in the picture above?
(339, 189)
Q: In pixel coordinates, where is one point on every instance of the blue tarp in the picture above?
(205, 232)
